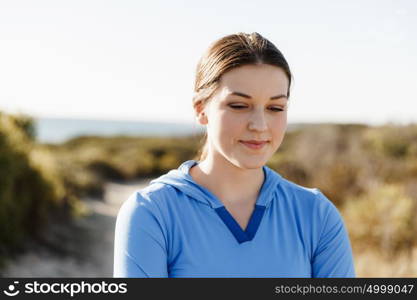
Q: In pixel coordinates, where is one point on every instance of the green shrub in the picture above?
(392, 141)
(30, 185)
(86, 163)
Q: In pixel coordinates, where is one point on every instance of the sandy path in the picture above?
(83, 248)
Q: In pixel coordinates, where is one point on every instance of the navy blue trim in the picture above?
(255, 220)
(231, 224)
(253, 225)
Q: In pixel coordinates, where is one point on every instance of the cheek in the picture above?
(229, 125)
(283, 122)
(219, 127)
(279, 126)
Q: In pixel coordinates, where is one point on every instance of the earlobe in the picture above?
(202, 118)
(201, 115)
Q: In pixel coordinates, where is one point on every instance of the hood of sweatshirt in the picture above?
(181, 180)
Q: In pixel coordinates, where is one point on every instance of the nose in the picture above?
(257, 121)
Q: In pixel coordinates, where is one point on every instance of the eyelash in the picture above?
(275, 109)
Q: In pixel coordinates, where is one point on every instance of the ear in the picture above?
(201, 114)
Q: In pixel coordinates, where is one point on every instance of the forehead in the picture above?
(256, 80)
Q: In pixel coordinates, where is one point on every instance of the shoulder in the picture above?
(311, 208)
(155, 193)
(311, 200)
(147, 203)
(150, 196)
(302, 193)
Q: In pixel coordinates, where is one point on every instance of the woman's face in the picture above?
(249, 105)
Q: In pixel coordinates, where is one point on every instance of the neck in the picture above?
(230, 183)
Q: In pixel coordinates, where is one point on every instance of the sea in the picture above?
(59, 130)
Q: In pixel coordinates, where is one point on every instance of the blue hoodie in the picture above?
(177, 228)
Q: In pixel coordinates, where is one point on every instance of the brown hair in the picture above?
(227, 53)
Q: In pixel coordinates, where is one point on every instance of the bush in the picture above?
(382, 219)
(325, 156)
(86, 163)
(30, 185)
(397, 142)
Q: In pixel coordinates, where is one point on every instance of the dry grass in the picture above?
(371, 263)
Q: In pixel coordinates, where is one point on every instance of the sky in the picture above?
(353, 61)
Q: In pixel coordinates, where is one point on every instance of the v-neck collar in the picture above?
(261, 204)
(242, 235)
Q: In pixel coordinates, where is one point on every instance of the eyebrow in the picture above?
(249, 97)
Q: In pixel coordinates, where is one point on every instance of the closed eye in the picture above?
(276, 109)
(237, 106)
(240, 107)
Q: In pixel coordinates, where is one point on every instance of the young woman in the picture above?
(228, 214)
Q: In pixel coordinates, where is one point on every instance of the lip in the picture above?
(252, 144)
